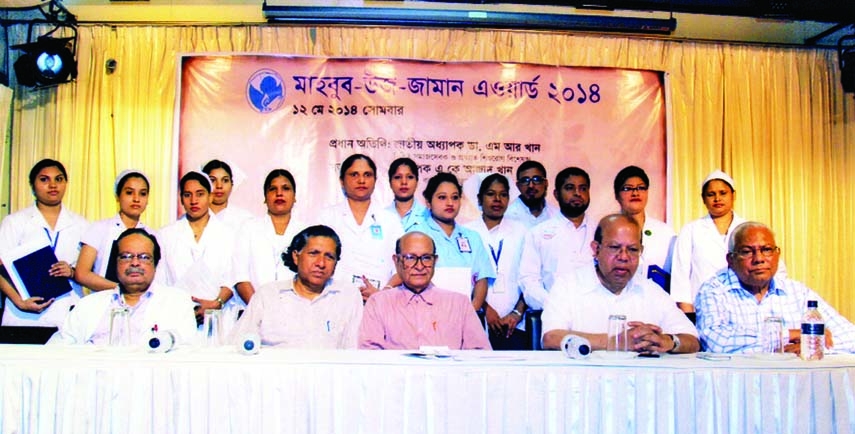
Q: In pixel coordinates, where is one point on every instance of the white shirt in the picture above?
(366, 249)
(556, 245)
(169, 308)
(578, 301)
(281, 317)
(518, 211)
(234, 217)
(504, 242)
(257, 256)
(202, 267)
(658, 239)
(27, 225)
(100, 236)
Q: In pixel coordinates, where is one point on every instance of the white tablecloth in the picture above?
(89, 390)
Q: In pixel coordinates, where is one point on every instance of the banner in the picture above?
(307, 114)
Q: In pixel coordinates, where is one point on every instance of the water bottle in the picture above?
(813, 333)
(575, 347)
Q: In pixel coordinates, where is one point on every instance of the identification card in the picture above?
(376, 232)
(463, 245)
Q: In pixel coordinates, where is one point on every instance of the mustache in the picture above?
(133, 269)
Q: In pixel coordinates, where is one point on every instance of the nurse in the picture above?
(96, 264)
(404, 180)
(463, 264)
(50, 222)
(260, 243)
(222, 182)
(503, 238)
(195, 251)
(631, 187)
(367, 230)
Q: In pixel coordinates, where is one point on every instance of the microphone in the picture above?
(249, 344)
(575, 347)
(160, 341)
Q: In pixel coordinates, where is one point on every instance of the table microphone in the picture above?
(249, 344)
(575, 347)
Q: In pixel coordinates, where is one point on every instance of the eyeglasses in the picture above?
(631, 251)
(526, 180)
(627, 189)
(749, 252)
(410, 261)
(143, 257)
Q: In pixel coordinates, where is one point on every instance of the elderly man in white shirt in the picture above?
(581, 302)
(150, 306)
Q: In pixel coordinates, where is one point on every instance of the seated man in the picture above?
(732, 305)
(150, 305)
(310, 310)
(416, 312)
(581, 301)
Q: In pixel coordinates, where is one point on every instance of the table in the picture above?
(92, 390)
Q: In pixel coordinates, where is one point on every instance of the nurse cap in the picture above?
(124, 174)
(718, 174)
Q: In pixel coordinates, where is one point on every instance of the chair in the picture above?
(25, 334)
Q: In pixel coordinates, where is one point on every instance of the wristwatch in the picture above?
(676, 343)
(517, 313)
(220, 301)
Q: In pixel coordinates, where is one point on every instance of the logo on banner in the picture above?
(265, 91)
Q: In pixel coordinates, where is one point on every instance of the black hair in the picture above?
(488, 181)
(352, 159)
(43, 164)
(438, 179)
(629, 172)
(217, 164)
(530, 164)
(403, 162)
(121, 184)
(302, 239)
(139, 231)
(568, 172)
(194, 176)
(275, 173)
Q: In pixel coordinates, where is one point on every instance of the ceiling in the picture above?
(797, 22)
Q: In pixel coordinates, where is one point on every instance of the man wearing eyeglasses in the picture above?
(581, 302)
(150, 305)
(530, 207)
(417, 313)
(732, 305)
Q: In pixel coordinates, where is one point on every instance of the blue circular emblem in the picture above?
(264, 91)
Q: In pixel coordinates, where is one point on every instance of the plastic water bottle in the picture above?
(813, 333)
(575, 347)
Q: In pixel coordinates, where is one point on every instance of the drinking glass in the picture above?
(212, 328)
(772, 335)
(120, 327)
(617, 338)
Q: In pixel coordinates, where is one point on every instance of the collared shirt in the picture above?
(170, 309)
(504, 242)
(730, 318)
(398, 319)
(551, 247)
(518, 211)
(578, 301)
(28, 225)
(414, 214)
(461, 250)
(257, 256)
(100, 236)
(281, 317)
(234, 217)
(366, 249)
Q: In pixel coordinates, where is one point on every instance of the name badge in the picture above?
(376, 232)
(463, 245)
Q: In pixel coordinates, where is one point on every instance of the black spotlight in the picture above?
(46, 62)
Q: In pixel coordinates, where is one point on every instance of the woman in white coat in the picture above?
(260, 242)
(222, 182)
(95, 269)
(48, 222)
(196, 251)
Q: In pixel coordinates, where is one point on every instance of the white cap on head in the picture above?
(718, 174)
(125, 173)
(204, 177)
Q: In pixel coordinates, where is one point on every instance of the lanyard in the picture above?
(52, 241)
(495, 255)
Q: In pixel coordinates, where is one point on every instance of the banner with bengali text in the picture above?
(307, 114)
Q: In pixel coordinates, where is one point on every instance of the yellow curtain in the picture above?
(775, 118)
